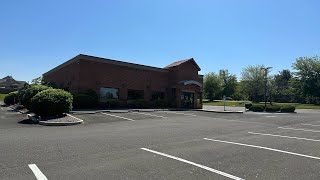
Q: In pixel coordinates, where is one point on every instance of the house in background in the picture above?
(8, 84)
(178, 83)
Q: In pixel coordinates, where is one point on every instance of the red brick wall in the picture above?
(82, 75)
(95, 75)
(65, 77)
(186, 71)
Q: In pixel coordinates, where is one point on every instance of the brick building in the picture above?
(178, 83)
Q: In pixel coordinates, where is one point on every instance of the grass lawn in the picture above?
(241, 104)
(302, 106)
(2, 96)
(228, 103)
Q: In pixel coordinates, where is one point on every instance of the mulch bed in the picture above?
(63, 118)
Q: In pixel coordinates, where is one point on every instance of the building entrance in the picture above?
(187, 99)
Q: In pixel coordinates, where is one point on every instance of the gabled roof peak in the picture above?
(178, 63)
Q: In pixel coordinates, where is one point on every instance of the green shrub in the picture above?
(51, 102)
(257, 108)
(85, 100)
(31, 92)
(159, 103)
(137, 103)
(22, 92)
(272, 108)
(11, 98)
(248, 105)
(287, 108)
(112, 103)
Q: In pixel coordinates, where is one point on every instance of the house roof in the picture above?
(121, 63)
(178, 63)
(9, 81)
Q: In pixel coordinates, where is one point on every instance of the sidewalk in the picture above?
(220, 109)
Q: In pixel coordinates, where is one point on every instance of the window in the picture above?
(157, 95)
(135, 94)
(108, 93)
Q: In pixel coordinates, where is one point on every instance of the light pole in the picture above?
(266, 70)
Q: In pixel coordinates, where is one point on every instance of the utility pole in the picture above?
(266, 70)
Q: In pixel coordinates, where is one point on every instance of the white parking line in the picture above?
(74, 117)
(36, 171)
(271, 116)
(147, 114)
(194, 164)
(180, 113)
(309, 124)
(291, 137)
(266, 148)
(299, 129)
(118, 116)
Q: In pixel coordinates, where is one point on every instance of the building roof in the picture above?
(8, 81)
(121, 63)
(178, 63)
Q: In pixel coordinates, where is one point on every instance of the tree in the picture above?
(36, 81)
(252, 82)
(212, 86)
(229, 83)
(308, 73)
(281, 86)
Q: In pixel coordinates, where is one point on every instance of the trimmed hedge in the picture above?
(22, 92)
(248, 105)
(11, 98)
(137, 103)
(85, 100)
(112, 103)
(31, 92)
(287, 108)
(272, 108)
(159, 103)
(51, 102)
(257, 108)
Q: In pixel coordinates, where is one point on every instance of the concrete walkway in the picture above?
(221, 109)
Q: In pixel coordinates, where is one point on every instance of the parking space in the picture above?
(167, 145)
(107, 117)
(13, 119)
(244, 161)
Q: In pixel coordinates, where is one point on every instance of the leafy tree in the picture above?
(308, 73)
(281, 86)
(252, 82)
(295, 91)
(229, 83)
(212, 86)
(36, 81)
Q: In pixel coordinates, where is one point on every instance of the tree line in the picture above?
(301, 85)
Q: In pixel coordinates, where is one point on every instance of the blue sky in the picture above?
(36, 36)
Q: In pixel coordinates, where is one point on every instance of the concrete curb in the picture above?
(45, 123)
(51, 123)
(117, 111)
(251, 112)
(215, 111)
(19, 111)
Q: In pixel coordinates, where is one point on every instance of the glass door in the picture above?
(187, 99)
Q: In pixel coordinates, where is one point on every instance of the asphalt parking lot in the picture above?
(163, 145)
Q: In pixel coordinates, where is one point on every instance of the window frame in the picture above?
(102, 99)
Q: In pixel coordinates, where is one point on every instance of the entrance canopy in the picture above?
(186, 82)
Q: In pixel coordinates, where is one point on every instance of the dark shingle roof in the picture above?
(9, 81)
(178, 63)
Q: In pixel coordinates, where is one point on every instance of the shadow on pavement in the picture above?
(26, 121)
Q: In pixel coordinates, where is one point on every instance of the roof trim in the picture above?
(83, 57)
(178, 63)
(186, 82)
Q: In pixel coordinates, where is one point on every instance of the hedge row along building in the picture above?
(179, 83)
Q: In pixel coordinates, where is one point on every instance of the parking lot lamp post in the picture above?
(266, 70)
